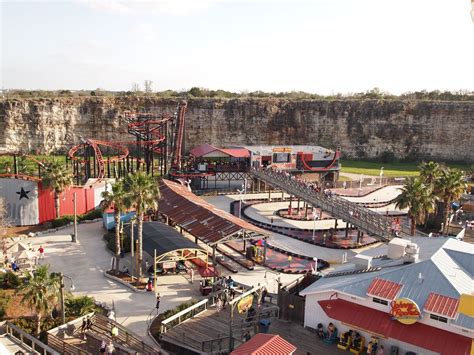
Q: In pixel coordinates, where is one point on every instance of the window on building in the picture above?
(378, 300)
(438, 318)
(281, 157)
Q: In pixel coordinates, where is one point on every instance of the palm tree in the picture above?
(429, 172)
(419, 200)
(57, 177)
(120, 201)
(40, 292)
(449, 188)
(144, 193)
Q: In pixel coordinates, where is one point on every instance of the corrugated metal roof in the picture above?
(418, 334)
(199, 217)
(439, 272)
(265, 344)
(441, 305)
(383, 289)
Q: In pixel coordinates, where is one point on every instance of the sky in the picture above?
(317, 46)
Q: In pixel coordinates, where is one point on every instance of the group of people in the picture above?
(86, 325)
(325, 334)
(227, 294)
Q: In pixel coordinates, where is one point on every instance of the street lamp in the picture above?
(61, 280)
(314, 222)
(381, 175)
(241, 192)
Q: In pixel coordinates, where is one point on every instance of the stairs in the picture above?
(364, 219)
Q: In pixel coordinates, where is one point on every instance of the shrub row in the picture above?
(65, 220)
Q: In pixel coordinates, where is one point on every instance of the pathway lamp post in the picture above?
(381, 175)
(241, 193)
(61, 289)
(314, 222)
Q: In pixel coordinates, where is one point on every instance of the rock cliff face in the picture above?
(363, 129)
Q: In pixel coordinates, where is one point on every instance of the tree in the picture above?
(3, 218)
(136, 87)
(40, 292)
(419, 200)
(120, 202)
(449, 188)
(148, 84)
(429, 172)
(144, 193)
(57, 177)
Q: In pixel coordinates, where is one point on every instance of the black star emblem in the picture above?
(23, 193)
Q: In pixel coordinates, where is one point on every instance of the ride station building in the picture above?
(417, 298)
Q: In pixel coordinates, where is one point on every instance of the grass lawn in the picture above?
(390, 169)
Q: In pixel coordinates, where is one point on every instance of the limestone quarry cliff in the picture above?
(362, 128)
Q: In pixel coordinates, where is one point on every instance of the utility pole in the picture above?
(61, 285)
(74, 237)
(132, 221)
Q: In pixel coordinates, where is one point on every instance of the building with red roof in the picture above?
(265, 344)
(412, 302)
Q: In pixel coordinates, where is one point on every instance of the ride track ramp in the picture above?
(364, 219)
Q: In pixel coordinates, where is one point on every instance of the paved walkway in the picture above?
(86, 262)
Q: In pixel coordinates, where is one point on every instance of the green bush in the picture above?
(62, 221)
(4, 301)
(11, 280)
(91, 215)
(65, 220)
(109, 238)
(80, 306)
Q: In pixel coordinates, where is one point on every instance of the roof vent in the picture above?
(362, 262)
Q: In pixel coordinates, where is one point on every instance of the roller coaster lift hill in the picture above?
(158, 146)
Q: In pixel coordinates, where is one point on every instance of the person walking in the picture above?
(41, 252)
(114, 332)
(102, 347)
(191, 273)
(88, 323)
(83, 328)
(157, 301)
(110, 348)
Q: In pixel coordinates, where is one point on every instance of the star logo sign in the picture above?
(23, 193)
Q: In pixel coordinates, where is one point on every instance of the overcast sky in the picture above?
(318, 46)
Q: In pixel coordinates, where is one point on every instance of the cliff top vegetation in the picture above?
(195, 92)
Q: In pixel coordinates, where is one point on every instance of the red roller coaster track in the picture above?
(148, 132)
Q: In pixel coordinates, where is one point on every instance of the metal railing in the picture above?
(185, 314)
(364, 219)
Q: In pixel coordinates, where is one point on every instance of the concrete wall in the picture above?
(363, 128)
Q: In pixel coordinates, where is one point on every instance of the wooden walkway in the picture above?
(211, 324)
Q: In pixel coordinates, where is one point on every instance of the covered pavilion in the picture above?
(205, 222)
(168, 246)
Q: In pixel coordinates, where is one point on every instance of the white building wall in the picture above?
(314, 314)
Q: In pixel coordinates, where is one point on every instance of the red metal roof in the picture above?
(265, 344)
(441, 305)
(378, 322)
(236, 152)
(199, 217)
(384, 289)
(202, 149)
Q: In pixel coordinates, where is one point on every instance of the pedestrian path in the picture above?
(85, 263)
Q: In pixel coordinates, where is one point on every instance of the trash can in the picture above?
(263, 326)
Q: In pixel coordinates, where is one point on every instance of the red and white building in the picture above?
(419, 298)
(27, 202)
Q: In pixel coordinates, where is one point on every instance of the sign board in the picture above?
(405, 311)
(245, 304)
(281, 150)
(169, 265)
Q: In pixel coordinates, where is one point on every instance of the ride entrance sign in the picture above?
(405, 311)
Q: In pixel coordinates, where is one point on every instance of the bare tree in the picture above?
(3, 218)
(136, 87)
(148, 84)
